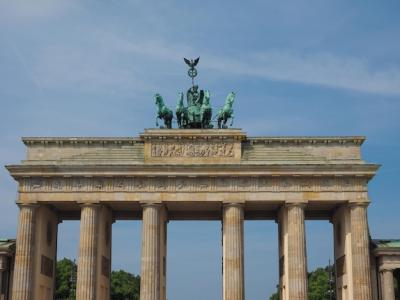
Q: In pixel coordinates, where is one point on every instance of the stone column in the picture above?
(163, 253)
(297, 257)
(233, 269)
(360, 252)
(24, 255)
(150, 265)
(87, 260)
(3, 268)
(387, 285)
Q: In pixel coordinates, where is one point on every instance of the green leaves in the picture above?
(65, 279)
(124, 285)
(319, 287)
(318, 284)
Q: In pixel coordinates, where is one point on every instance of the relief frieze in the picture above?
(193, 184)
(192, 150)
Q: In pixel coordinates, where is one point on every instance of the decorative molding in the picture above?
(193, 184)
(193, 134)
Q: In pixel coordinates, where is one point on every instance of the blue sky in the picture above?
(90, 68)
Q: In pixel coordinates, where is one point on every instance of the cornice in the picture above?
(67, 141)
(194, 134)
(387, 251)
(366, 170)
(324, 140)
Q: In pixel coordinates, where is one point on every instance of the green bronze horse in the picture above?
(181, 112)
(163, 112)
(226, 112)
(206, 111)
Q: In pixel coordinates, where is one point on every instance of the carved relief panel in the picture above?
(193, 146)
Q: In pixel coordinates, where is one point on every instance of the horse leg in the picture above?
(180, 120)
(170, 121)
(225, 121)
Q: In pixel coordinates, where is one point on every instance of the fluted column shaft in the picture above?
(150, 265)
(360, 252)
(233, 270)
(3, 268)
(297, 257)
(87, 261)
(1, 281)
(387, 285)
(24, 255)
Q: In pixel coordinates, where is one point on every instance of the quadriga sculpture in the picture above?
(163, 112)
(226, 112)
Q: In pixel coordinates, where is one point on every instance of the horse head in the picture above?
(230, 98)
(206, 99)
(159, 99)
(180, 100)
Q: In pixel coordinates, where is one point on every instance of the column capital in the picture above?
(88, 204)
(383, 269)
(233, 204)
(295, 204)
(28, 205)
(151, 204)
(358, 204)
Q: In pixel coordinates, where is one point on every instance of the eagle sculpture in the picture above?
(191, 62)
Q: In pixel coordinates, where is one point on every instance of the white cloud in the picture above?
(320, 69)
(92, 66)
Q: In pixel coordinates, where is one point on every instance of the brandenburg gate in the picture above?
(191, 174)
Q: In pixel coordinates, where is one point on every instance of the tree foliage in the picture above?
(124, 285)
(65, 279)
(318, 285)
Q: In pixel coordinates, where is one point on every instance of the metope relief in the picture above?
(193, 184)
(192, 150)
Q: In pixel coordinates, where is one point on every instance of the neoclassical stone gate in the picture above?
(191, 174)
